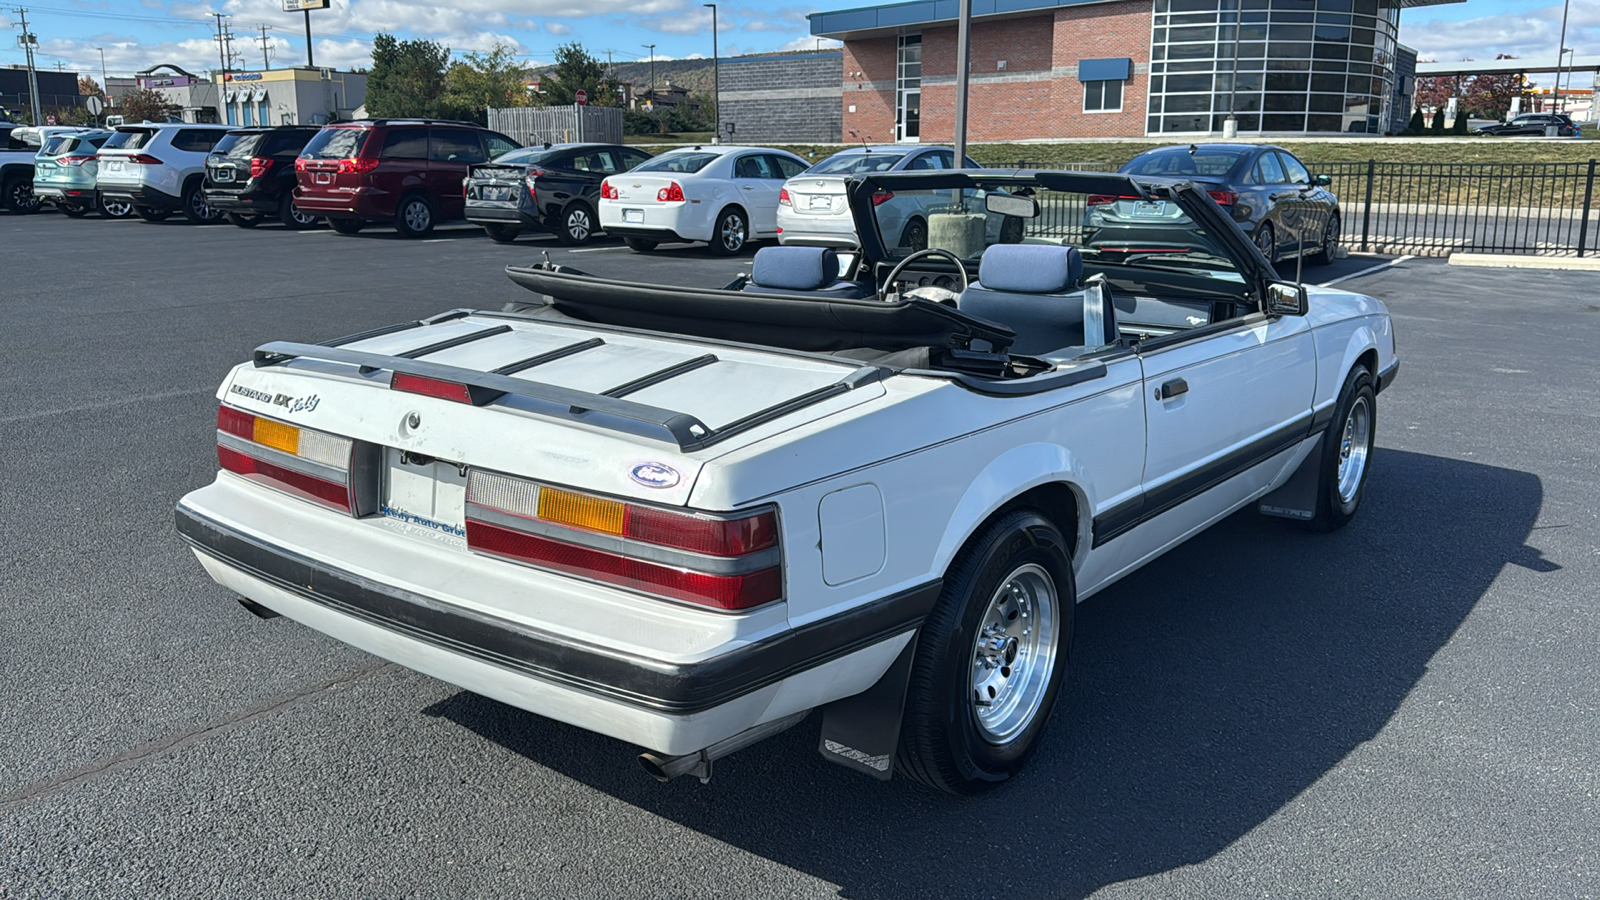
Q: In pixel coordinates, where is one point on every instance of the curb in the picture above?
(1506, 261)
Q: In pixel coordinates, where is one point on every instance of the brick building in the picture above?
(1045, 69)
(784, 98)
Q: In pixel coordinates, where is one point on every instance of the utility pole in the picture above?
(222, 62)
(105, 83)
(716, 80)
(1561, 52)
(29, 41)
(652, 73)
(266, 63)
(963, 55)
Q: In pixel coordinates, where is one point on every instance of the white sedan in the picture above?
(725, 196)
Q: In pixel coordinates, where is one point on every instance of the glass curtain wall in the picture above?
(1277, 65)
(908, 88)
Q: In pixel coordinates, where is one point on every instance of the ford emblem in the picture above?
(654, 474)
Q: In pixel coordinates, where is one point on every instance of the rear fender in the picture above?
(1014, 472)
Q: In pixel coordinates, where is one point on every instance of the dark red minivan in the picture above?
(401, 172)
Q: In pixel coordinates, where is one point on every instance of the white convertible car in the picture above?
(873, 487)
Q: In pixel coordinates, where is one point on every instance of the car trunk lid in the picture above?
(495, 183)
(818, 195)
(632, 187)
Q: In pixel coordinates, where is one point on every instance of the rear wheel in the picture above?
(18, 196)
(1330, 242)
(502, 234)
(73, 210)
(915, 235)
(152, 214)
(639, 245)
(1267, 241)
(115, 209)
(577, 225)
(243, 221)
(414, 218)
(730, 233)
(347, 226)
(990, 657)
(291, 216)
(196, 209)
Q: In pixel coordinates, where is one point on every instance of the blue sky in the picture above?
(139, 33)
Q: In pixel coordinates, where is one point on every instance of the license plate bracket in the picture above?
(425, 497)
(633, 216)
(823, 202)
(223, 176)
(322, 178)
(1150, 208)
(496, 192)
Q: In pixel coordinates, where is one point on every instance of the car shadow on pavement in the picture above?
(1207, 691)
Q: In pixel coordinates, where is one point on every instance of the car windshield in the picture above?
(853, 163)
(1207, 161)
(335, 143)
(683, 163)
(130, 138)
(528, 156)
(967, 221)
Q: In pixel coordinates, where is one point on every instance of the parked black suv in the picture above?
(250, 175)
(552, 188)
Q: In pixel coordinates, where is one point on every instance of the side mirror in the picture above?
(1322, 180)
(1285, 299)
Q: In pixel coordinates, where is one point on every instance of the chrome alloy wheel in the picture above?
(202, 209)
(1355, 444)
(579, 226)
(1014, 653)
(299, 217)
(418, 216)
(117, 209)
(733, 232)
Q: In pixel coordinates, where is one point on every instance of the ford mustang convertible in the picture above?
(870, 485)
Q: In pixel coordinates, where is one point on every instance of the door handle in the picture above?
(1173, 388)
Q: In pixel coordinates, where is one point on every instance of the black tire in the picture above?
(73, 210)
(114, 209)
(577, 224)
(243, 221)
(640, 245)
(1011, 231)
(914, 236)
(1338, 501)
(196, 209)
(942, 743)
(347, 226)
(152, 214)
(414, 217)
(1266, 241)
(17, 196)
(291, 216)
(1330, 242)
(731, 233)
(502, 234)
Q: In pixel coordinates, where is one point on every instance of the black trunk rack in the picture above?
(606, 409)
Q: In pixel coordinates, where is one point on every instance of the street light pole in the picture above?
(963, 54)
(652, 73)
(716, 81)
(1561, 48)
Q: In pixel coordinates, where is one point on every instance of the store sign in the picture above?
(298, 5)
(176, 81)
(244, 76)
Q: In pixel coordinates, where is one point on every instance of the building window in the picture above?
(262, 107)
(1102, 96)
(245, 113)
(908, 88)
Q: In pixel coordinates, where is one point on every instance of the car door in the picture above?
(451, 153)
(755, 178)
(1307, 202)
(1276, 193)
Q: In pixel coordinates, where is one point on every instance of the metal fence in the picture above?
(1435, 209)
(530, 125)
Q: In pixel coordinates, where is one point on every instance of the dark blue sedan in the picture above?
(1272, 196)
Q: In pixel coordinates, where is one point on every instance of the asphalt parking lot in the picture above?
(1408, 707)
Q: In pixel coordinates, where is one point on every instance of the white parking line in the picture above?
(597, 249)
(1368, 271)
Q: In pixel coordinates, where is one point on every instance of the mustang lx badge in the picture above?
(654, 474)
(289, 404)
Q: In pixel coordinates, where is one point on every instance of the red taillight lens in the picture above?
(607, 192)
(308, 464)
(259, 166)
(144, 159)
(73, 160)
(672, 193)
(361, 165)
(430, 387)
(612, 540)
(1224, 198)
(299, 164)
(882, 197)
(1105, 199)
(783, 197)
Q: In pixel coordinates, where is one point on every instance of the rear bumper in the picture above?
(372, 207)
(652, 234)
(141, 196)
(498, 215)
(69, 193)
(235, 201)
(671, 707)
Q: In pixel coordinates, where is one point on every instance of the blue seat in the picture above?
(810, 271)
(1038, 291)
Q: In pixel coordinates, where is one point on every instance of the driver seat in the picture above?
(1038, 291)
(807, 271)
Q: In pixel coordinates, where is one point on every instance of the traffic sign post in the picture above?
(94, 105)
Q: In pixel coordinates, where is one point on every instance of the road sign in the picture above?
(298, 5)
(582, 96)
(94, 105)
(49, 120)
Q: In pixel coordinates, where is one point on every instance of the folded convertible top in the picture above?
(774, 320)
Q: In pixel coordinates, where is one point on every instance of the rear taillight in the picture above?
(724, 562)
(361, 165)
(143, 159)
(308, 464)
(607, 192)
(299, 164)
(1106, 199)
(74, 160)
(882, 197)
(430, 387)
(783, 197)
(672, 193)
(259, 166)
(533, 176)
(1224, 198)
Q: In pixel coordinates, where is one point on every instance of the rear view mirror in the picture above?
(1011, 205)
(1285, 299)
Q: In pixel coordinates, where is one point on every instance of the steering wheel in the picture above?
(894, 274)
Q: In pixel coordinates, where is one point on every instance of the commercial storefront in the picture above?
(1125, 68)
(295, 96)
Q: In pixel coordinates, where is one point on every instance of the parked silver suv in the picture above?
(160, 167)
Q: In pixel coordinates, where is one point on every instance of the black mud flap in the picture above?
(1297, 497)
(862, 732)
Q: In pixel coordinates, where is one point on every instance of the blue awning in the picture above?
(1105, 69)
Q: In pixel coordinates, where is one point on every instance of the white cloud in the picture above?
(807, 42)
(557, 28)
(1529, 35)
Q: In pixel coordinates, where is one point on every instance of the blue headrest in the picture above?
(1030, 268)
(795, 268)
